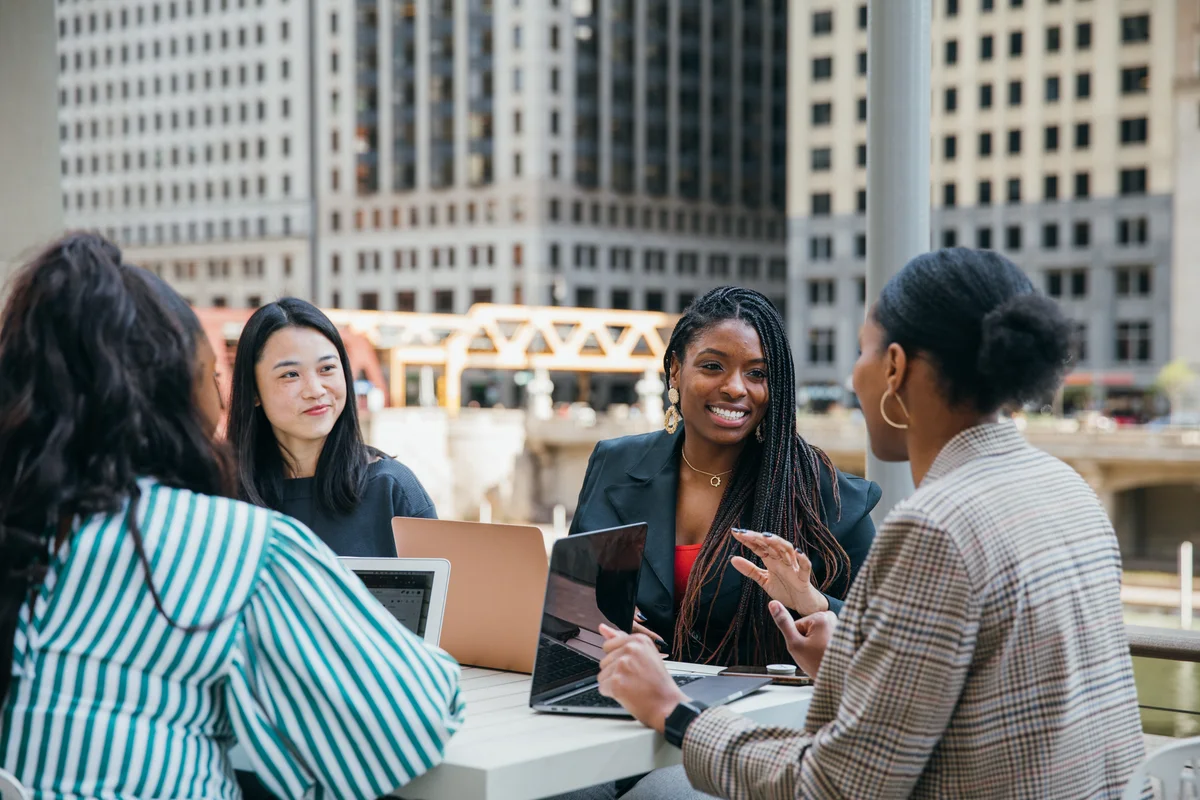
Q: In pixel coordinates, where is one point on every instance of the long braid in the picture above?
(778, 481)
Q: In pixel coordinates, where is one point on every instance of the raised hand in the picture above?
(785, 576)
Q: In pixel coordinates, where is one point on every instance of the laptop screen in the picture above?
(593, 579)
(406, 594)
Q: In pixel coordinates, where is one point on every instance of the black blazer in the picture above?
(636, 479)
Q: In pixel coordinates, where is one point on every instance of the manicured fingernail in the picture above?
(767, 534)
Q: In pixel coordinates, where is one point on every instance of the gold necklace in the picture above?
(713, 477)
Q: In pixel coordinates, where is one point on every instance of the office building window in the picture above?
(1133, 231)
(1050, 236)
(443, 301)
(949, 195)
(822, 69)
(862, 109)
(1135, 80)
(1134, 342)
(951, 8)
(621, 298)
(1079, 283)
(822, 23)
(862, 17)
(821, 345)
(1081, 234)
(860, 201)
(1134, 281)
(1014, 93)
(1052, 89)
(1132, 181)
(949, 148)
(1050, 187)
(985, 145)
(983, 238)
(986, 48)
(1054, 283)
(950, 101)
(822, 114)
(951, 52)
(862, 62)
(820, 248)
(1016, 44)
(949, 237)
(822, 292)
(860, 155)
(1135, 29)
(822, 159)
(1012, 237)
(1083, 185)
(987, 6)
(984, 195)
(1083, 135)
(985, 96)
(1083, 85)
(1053, 39)
(822, 204)
(1134, 130)
(655, 301)
(1083, 36)
(1014, 190)
(1078, 345)
(860, 246)
(406, 301)
(1014, 142)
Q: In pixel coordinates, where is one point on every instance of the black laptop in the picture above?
(593, 579)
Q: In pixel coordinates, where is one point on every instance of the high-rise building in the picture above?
(1054, 142)
(429, 154)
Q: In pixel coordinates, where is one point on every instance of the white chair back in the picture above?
(1174, 769)
(11, 788)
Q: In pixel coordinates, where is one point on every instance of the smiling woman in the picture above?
(294, 425)
(730, 458)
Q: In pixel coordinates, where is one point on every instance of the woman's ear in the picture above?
(896, 367)
(673, 377)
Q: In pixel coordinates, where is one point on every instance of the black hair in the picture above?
(96, 391)
(174, 303)
(778, 481)
(342, 468)
(994, 339)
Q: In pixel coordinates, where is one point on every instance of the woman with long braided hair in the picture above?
(730, 458)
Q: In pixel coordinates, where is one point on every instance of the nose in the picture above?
(313, 388)
(735, 386)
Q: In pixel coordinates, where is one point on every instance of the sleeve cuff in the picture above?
(704, 747)
(835, 605)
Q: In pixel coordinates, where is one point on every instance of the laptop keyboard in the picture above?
(556, 661)
(593, 699)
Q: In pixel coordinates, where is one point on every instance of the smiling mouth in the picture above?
(727, 414)
(312, 412)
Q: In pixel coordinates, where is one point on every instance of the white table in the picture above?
(506, 751)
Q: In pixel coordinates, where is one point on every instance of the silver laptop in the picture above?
(412, 589)
(593, 579)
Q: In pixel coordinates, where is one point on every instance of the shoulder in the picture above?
(630, 448)
(848, 499)
(390, 476)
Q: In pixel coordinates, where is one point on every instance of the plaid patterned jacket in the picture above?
(981, 652)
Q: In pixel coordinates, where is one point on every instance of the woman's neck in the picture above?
(709, 457)
(300, 456)
(937, 432)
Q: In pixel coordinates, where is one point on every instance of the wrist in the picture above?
(664, 710)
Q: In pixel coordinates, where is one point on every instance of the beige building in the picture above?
(1055, 140)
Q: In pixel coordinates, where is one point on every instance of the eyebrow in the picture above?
(714, 351)
(320, 360)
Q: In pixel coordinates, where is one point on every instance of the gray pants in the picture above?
(670, 783)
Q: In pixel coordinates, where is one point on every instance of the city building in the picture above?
(430, 154)
(1054, 141)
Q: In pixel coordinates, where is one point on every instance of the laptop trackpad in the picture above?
(719, 690)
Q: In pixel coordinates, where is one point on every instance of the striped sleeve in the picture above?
(328, 693)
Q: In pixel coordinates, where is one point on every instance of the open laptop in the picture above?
(494, 608)
(413, 589)
(593, 578)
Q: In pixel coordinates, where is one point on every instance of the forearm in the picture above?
(727, 755)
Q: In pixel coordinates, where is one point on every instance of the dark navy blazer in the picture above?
(636, 479)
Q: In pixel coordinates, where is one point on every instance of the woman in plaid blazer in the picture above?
(981, 651)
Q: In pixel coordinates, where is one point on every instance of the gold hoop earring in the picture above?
(883, 409)
(673, 418)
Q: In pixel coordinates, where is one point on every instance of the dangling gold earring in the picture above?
(758, 434)
(883, 409)
(671, 423)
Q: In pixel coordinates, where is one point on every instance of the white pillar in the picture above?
(427, 395)
(898, 100)
(650, 389)
(540, 394)
(30, 191)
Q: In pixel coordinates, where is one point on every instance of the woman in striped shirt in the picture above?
(150, 621)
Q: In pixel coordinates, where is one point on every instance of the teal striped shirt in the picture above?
(328, 694)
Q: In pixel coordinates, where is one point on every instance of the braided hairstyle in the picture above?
(96, 391)
(775, 486)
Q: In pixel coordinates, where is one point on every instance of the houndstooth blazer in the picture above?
(981, 651)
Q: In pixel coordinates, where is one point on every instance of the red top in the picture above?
(685, 559)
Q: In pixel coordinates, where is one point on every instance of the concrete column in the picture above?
(541, 395)
(30, 190)
(898, 87)
(650, 392)
(427, 397)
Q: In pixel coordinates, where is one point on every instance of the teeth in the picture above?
(726, 414)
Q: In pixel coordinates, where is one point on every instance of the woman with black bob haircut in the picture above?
(293, 424)
(982, 649)
(135, 590)
(730, 458)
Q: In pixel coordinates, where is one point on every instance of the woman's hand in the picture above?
(806, 638)
(639, 627)
(632, 673)
(787, 576)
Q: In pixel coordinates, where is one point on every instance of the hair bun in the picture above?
(1024, 349)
